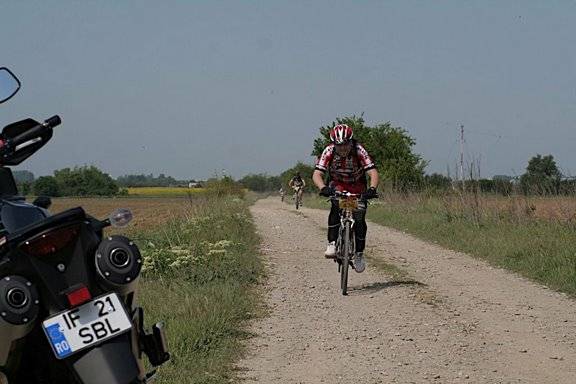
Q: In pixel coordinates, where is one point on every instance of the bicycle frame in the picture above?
(345, 244)
(346, 217)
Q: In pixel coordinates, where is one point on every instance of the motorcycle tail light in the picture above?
(51, 242)
(78, 296)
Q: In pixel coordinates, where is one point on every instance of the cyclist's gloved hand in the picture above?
(327, 191)
(370, 194)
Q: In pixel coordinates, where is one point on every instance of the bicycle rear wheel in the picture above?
(298, 200)
(345, 260)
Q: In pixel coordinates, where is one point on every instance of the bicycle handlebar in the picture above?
(348, 194)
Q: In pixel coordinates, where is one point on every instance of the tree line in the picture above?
(89, 181)
(403, 170)
(392, 149)
(151, 181)
(77, 181)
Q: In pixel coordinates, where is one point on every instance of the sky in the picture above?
(191, 88)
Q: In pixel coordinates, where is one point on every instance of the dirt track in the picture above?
(453, 319)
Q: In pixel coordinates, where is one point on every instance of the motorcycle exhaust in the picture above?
(118, 262)
(19, 306)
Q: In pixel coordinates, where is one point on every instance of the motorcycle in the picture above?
(68, 311)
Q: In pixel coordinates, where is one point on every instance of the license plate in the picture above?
(87, 325)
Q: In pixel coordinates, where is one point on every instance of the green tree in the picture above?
(261, 182)
(46, 186)
(149, 181)
(85, 181)
(224, 186)
(25, 188)
(542, 176)
(503, 184)
(391, 149)
(437, 181)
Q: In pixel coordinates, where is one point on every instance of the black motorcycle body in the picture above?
(60, 271)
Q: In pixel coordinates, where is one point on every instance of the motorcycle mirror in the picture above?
(43, 202)
(9, 84)
(120, 217)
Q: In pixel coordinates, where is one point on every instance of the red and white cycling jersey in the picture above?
(346, 172)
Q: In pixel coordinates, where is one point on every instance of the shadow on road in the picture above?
(379, 286)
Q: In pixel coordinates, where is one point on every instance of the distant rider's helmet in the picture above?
(341, 134)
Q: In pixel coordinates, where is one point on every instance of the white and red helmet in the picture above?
(341, 134)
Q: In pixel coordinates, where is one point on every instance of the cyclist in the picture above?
(347, 164)
(297, 183)
(282, 193)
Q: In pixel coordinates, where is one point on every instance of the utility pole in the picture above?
(462, 155)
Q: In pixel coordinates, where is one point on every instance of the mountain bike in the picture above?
(345, 244)
(298, 197)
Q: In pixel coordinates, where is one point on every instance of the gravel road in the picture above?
(450, 319)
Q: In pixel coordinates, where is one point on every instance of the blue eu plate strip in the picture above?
(58, 340)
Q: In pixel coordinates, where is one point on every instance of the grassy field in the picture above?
(148, 212)
(534, 237)
(164, 191)
(201, 265)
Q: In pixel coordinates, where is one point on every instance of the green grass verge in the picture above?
(200, 273)
(542, 250)
(538, 249)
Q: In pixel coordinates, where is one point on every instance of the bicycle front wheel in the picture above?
(345, 260)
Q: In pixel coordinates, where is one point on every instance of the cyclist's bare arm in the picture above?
(374, 177)
(318, 179)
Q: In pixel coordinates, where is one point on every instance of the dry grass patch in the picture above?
(533, 236)
(148, 212)
(164, 191)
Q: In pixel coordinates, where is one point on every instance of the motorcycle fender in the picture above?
(111, 363)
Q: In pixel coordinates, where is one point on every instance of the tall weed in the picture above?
(199, 271)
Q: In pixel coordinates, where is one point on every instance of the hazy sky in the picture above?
(190, 87)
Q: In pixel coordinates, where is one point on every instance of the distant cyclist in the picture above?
(282, 193)
(297, 183)
(347, 164)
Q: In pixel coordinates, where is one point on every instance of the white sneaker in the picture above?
(330, 250)
(359, 263)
